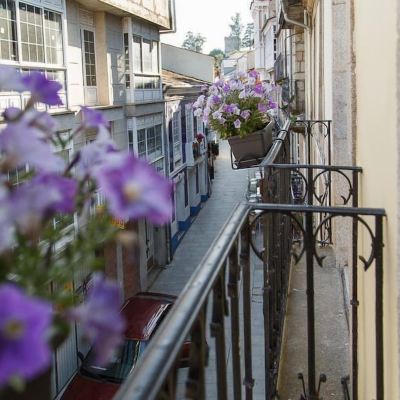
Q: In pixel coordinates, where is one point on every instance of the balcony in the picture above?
(249, 339)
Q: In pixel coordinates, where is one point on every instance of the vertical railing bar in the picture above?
(195, 384)
(235, 326)
(246, 271)
(218, 331)
(379, 308)
(354, 300)
(309, 243)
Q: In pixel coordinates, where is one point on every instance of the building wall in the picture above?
(377, 126)
(186, 62)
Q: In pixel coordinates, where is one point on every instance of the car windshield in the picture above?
(118, 369)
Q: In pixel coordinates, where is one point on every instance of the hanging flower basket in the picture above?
(238, 110)
(251, 149)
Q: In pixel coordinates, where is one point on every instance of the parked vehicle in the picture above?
(143, 313)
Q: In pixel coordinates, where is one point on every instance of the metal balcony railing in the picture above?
(215, 307)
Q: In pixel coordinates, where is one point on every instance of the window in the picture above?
(137, 54)
(147, 59)
(150, 142)
(127, 67)
(130, 140)
(8, 30)
(142, 142)
(90, 58)
(31, 26)
(53, 37)
(176, 137)
(189, 124)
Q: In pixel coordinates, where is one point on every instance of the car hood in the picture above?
(82, 388)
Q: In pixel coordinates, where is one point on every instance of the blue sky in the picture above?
(211, 18)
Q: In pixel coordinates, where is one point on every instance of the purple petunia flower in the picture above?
(272, 105)
(254, 74)
(134, 189)
(102, 323)
(42, 90)
(93, 155)
(258, 89)
(23, 144)
(262, 107)
(93, 119)
(245, 114)
(41, 197)
(230, 108)
(215, 100)
(24, 325)
(237, 124)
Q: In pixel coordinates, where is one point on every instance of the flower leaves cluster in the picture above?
(39, 257)
(238, 106)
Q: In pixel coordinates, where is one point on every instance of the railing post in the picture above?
(234, 274)
(379, 307)
(246, 271)
(218, 332)
(310, 247)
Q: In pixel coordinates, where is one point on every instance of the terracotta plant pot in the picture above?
(251, 149)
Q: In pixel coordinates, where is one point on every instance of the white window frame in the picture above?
(91, 97)
(8, 99)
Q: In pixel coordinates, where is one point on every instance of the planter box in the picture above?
(250, 150)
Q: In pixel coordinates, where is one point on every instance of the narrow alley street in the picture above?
(229, 188)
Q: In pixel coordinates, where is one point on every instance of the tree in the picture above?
(236, 27)
(218, 55)
(194, 42)
(248, 38)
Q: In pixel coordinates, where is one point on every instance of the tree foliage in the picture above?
(236, 27)
(194, 42)
(248, 37)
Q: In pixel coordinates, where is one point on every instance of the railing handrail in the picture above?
(319, 166)
(275, 149)
(148, 376)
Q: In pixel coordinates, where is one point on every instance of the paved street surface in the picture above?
(229, 187)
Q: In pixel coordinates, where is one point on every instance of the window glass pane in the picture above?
(154, 63)
(158, 141)
(141, 142)
(147, 57)
(127, 66)
(139, 82)
(53, 33)
(176, 134)
(130, 140)
(31, 33)
(137, 54)
(151, 143)
(90, 58)
(8, 30)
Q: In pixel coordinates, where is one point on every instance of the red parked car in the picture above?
(143, 313)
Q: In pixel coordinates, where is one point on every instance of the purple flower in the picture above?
(24, 325)
(45, 123)
(94, 155)
(134, 189)
(216, 100)
(254, 74)
(245, 114)
(102, 323)
(262, 107)
(272, 105)
(237, 124)
(226, 88)
(230, 108)
(42, 90)
(23, 144)
(41, 197)
(10, 79)
(93, 119)
(258, 89)
(198, 112)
